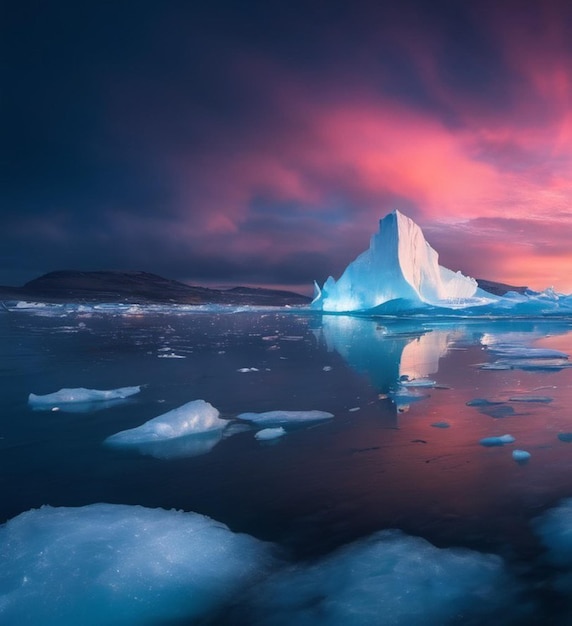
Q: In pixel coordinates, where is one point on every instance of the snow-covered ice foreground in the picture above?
(119, 565)
(80, 396)
(391, 579)
(116, 564)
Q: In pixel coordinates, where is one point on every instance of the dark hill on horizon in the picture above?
(141, 287)
(144, 287)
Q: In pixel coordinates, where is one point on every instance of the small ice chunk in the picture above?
(566, 437)
(192, 418)
(418, 382)
(276, 418)
(521, 456)
(171, 355)
(79, 395)
(496, 441)
(482, 402)
(525, 352)
(527, 398)
(327, 368)
(245, 370)
(267, 434)
(354, 409)
(497, 365)
(441, 424)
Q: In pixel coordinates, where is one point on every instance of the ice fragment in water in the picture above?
(276, 418)
(192, 418)
(566, 437)
(441, 424)
(526, 398)
(521, 456)
(496, 441)
(269, 433)
(80, 395)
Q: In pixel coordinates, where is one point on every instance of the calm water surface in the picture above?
(380, 463)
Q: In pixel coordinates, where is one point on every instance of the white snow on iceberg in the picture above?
(121, 565)
(399, 265)
(194, 418)
(79, 396)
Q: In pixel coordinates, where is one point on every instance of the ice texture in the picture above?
(277, 418)
(79, 395)
(193, 418)
(390, 579)
(121, 565)
(399, 265)
(555, 530)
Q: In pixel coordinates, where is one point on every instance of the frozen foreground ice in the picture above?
(119, 565)
(79, 396)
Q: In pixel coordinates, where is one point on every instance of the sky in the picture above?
(260, 142)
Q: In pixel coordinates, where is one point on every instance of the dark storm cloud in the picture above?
(261, 141)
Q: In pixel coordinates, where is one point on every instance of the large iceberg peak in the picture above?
(399, 265)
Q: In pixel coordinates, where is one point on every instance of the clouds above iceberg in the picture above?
(262, 146)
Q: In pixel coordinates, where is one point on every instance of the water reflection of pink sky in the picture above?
(404, 472)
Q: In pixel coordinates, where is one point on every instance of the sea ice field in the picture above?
(171, 465)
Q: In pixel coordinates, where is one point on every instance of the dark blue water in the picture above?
(378, 464)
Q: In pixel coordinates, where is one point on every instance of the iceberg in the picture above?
(398, 266)
(79, 396)
(194, 418)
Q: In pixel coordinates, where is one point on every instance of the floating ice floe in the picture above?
(122, 565)
(245, 370)
(266, 434)
(483, 402)
(566, 437)
(441, 425)
(496, 441)
(194, 418)
(418, 382)
(388, 578)
(79, 395)
(521, 456)
(276, 418)
(531, 398)
(517, 351)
